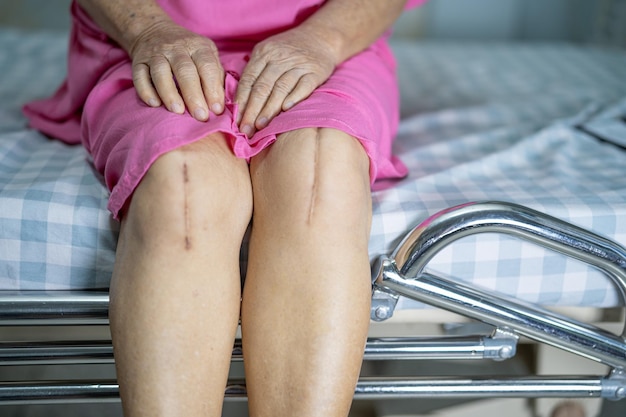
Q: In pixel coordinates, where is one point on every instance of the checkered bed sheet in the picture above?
(535, 124)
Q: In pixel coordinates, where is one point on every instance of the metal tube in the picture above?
(56, 392)
(426, 348)
(56, 353)
(98, 352)
(560, 387)
(367, 388)
(403, 274)
(526, 319)
(53, 308)
(425, 241)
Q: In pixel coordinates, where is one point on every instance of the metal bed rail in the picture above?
(497, 347)
(401, 274)
(404, 273)
(367, 389)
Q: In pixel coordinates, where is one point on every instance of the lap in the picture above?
(125, 137)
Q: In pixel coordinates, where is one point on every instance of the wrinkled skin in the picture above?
(166, 51)
(283, 70)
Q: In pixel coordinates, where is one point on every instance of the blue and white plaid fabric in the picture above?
(527, 123)
(55, 232)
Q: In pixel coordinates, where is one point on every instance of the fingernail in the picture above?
(262, 122)
(200, 114)
(153, 102)
(217, 108)
(177, 108)
(288, 105)
(247, 130)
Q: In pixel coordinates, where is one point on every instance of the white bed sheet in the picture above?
(481, 121)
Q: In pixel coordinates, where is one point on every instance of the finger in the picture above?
(188, 80)
(143, 85)
(303, 89)
(163, 80)
(212, 79)
(248, 78)
(259, 95)
(274, 104)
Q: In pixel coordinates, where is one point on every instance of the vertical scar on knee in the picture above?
(315, 178)
(186, 208)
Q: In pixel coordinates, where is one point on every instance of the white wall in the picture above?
(562, 20)
(555, 20)
(35, 14)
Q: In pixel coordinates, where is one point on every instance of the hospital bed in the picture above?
(506, 234)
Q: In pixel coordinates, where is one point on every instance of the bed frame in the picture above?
(403, 273)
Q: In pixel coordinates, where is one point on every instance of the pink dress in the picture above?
(98, 106)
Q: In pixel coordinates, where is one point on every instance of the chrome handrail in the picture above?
(403, 274)
(438, 231)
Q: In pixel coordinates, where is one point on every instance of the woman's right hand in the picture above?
(178, 68)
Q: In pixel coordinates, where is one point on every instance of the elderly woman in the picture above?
(205, 116)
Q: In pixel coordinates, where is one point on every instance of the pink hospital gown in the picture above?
(98, 106)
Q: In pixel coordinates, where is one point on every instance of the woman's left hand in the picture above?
(283, 70)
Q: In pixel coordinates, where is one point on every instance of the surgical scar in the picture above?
(186, 208)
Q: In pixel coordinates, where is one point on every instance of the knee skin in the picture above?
(198, 189)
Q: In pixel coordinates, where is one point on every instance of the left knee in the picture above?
(315, 179)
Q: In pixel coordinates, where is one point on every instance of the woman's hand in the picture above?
(176, 67)
(283, 70)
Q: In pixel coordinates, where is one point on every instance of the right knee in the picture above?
(198, 190)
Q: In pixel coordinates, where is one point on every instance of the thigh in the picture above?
(125, 137)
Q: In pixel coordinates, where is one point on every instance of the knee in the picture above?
(317, 179)
(200, 188)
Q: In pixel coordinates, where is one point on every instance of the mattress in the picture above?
(537, 124)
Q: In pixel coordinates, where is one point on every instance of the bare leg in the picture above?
(175, 294)
(305, 311)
